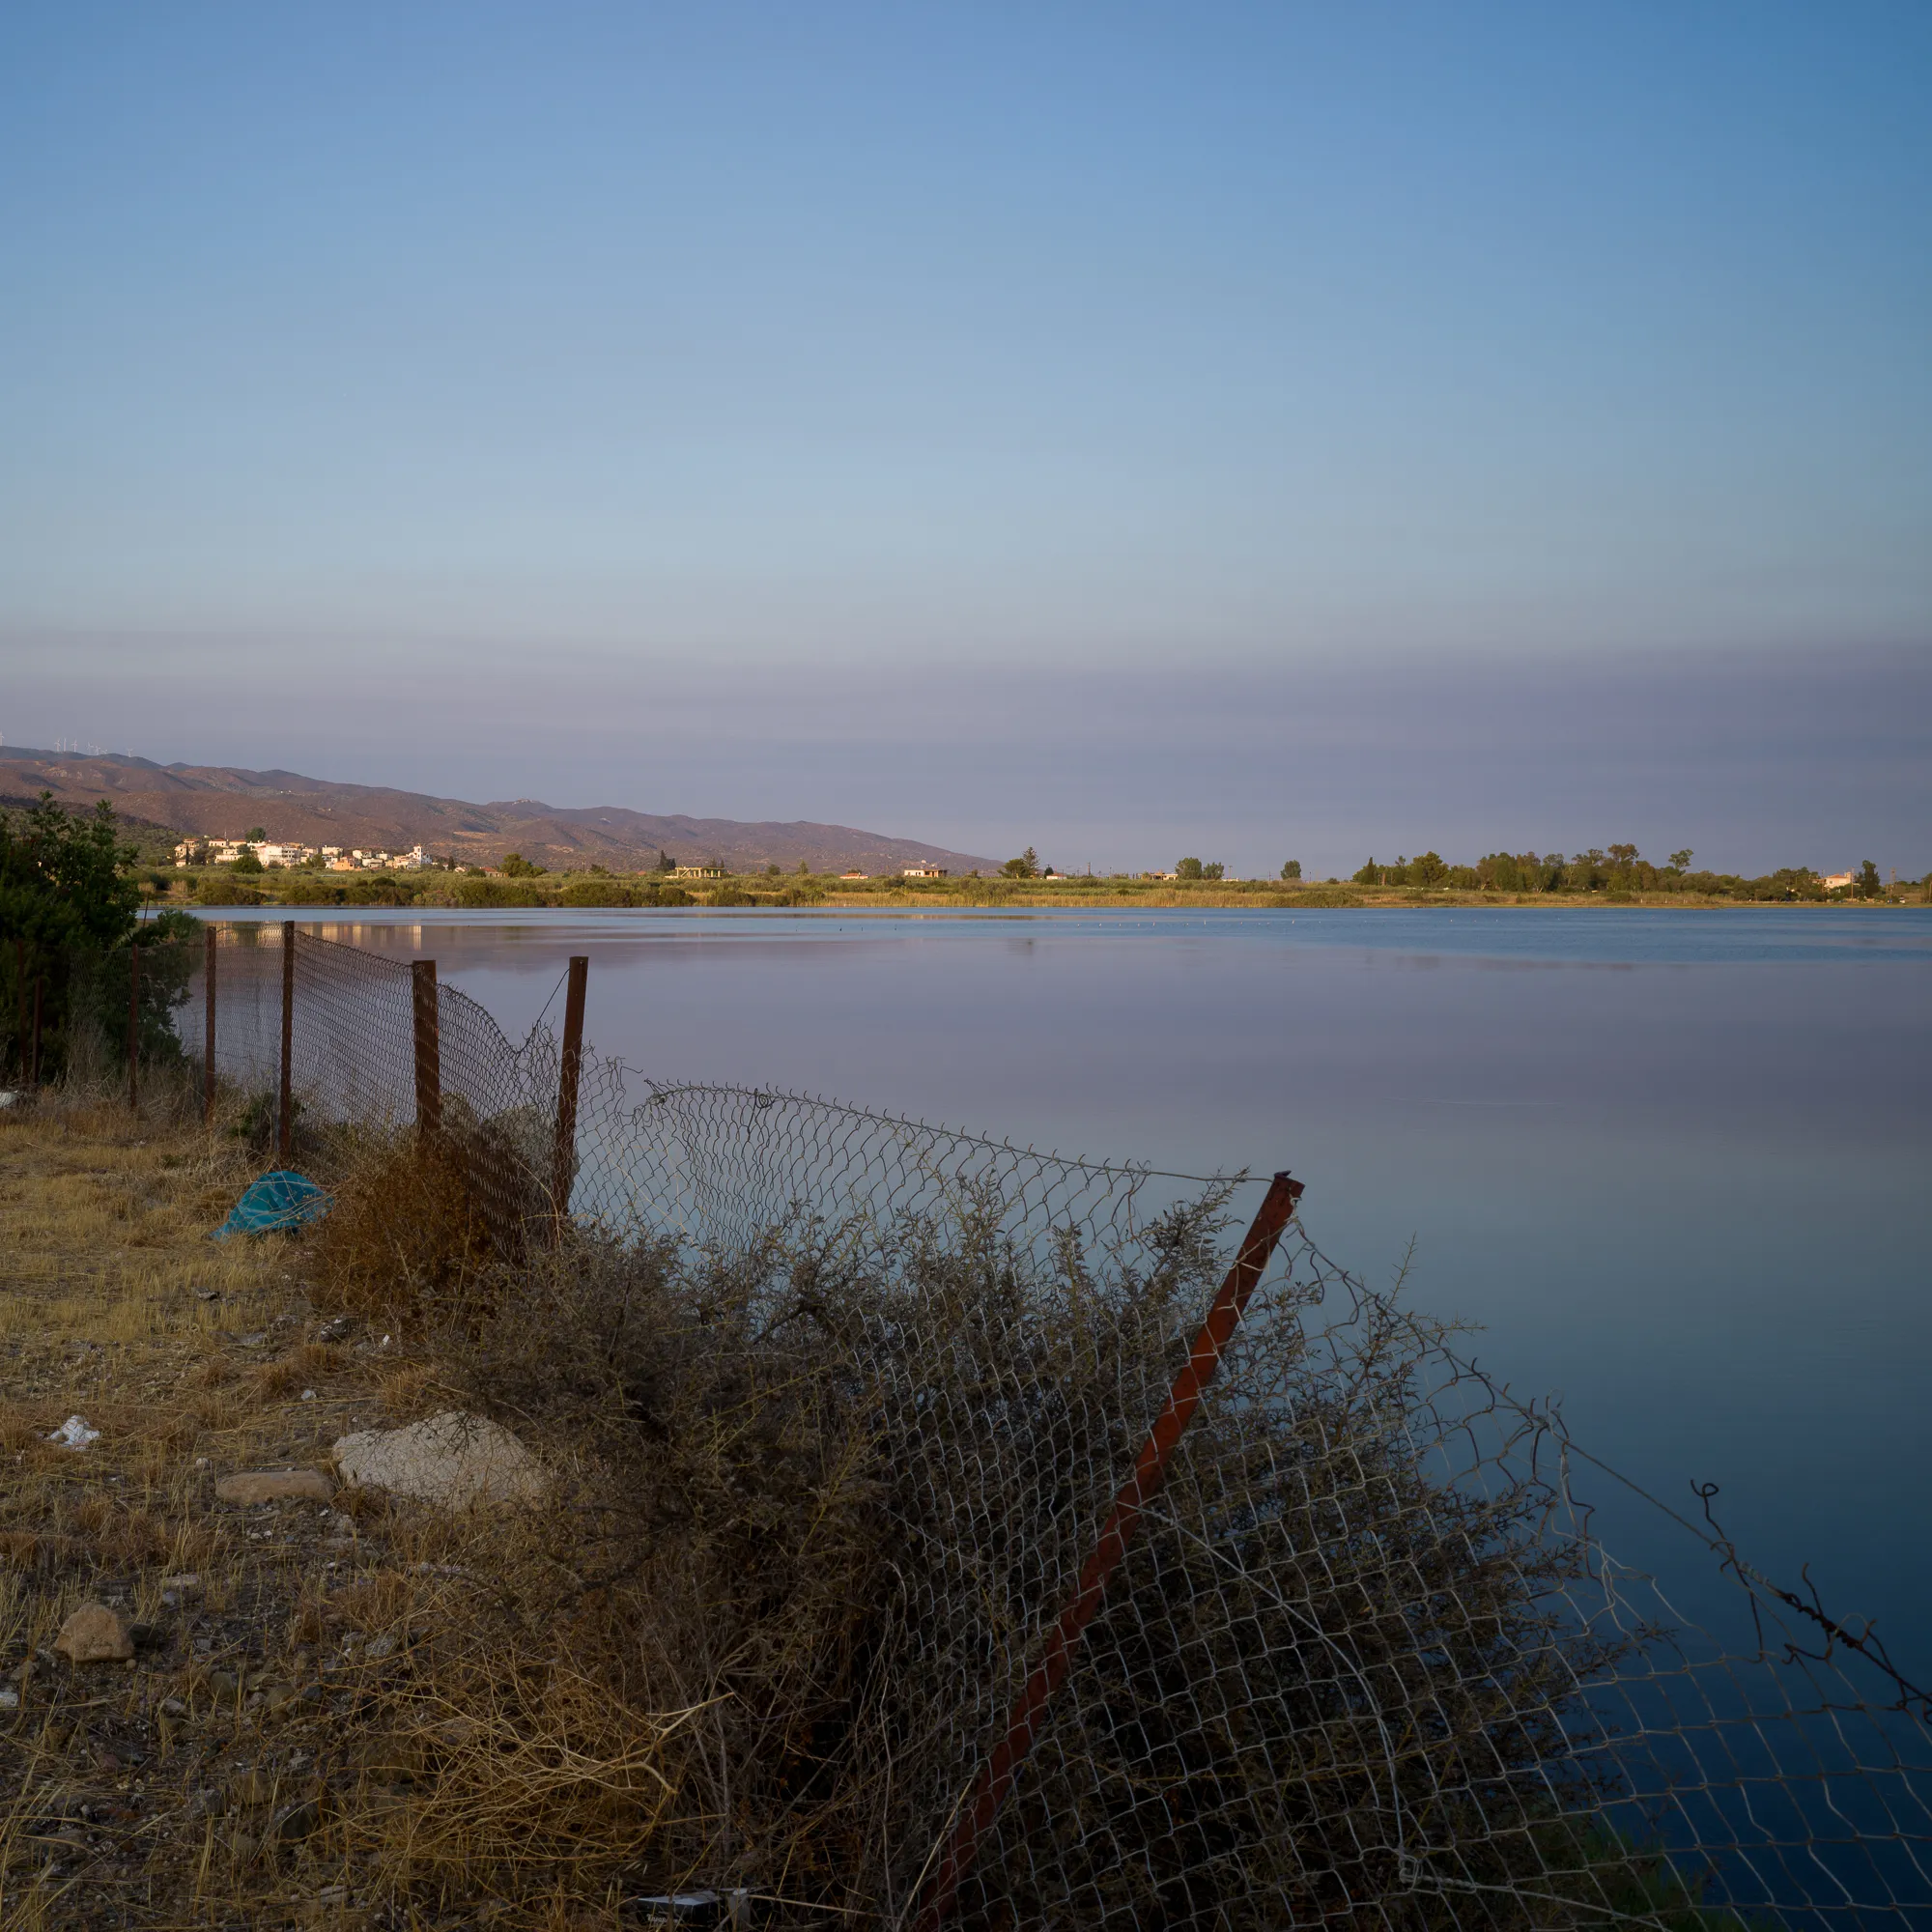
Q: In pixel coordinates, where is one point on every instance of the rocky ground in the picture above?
(215, 1687)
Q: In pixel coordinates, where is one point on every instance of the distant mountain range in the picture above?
(224, 801)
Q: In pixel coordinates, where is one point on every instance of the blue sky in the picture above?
(930, 415)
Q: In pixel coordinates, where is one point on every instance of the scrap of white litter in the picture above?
(75, 1433)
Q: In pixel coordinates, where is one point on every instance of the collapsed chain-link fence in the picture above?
(1361, 1656)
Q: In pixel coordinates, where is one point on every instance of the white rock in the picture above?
(453, 1459)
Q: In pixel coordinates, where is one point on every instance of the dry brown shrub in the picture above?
(274, 1380)
(422, 1225)
(319, 1358)
(121, 1536)
(31, 1550)
(530, 1781)
(376, 1602)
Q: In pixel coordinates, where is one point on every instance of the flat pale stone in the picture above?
(275, 1486)
(96, 1634)
(453, 1459)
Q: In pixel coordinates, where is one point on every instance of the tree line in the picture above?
(1611, 868)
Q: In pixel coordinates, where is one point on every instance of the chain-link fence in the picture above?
(1204, 1586)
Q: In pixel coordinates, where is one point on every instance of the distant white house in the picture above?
(855, 875)
(1835, 882)
(697, 871)
(924, 872)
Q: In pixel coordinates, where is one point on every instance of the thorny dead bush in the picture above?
(406, 1234)
(822, 1499)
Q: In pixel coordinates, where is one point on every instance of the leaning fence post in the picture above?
(284, 1119)
(563, 1170)
(429, 1048)
(208, 1039)
(997, 1776)
(133, 1027)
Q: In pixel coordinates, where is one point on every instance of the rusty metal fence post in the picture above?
(133, 1027)
(997, 1776)
(563, 1164)
(208, 1038)
(285, 1115)
(429, 1048)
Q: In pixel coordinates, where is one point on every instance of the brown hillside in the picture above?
(224, 801)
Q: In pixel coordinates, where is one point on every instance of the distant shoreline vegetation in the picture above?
(1615, 876)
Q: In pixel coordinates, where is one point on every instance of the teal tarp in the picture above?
(277, 1201)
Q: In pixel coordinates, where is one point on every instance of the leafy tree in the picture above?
(1370, 875)
(66, 898)
(666, 863)
(1188, 869)
(1025, 867)
(1680, 861)
(516, 866)
(1869, 885)
(771, 871)
(803, 869)
(1293, 869)
(256, 834)
(249, 860)
(1431, 869)
(61, 881)
(1213, 869)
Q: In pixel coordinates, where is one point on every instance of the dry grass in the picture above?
(365, 1715)
(159, 1793)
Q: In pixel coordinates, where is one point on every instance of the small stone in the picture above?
(174, 1707)
(96, 1634)
(453, 1459)
(274, 1486)
(309, 1395)
(208, 1294)
(254, 1341)
(252, 1787)
(10, 1698)
(297, 1821)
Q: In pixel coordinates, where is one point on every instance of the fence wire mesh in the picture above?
(1367, 1660)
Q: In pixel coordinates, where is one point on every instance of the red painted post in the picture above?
(997, 1776)
(285, 1117)
(133, 1028)
(563, 1167)
(429, 1048)
(208, 1039)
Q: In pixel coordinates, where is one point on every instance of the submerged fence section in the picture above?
(1221, 1590)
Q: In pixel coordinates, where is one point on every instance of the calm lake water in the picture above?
(1674, 1163)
